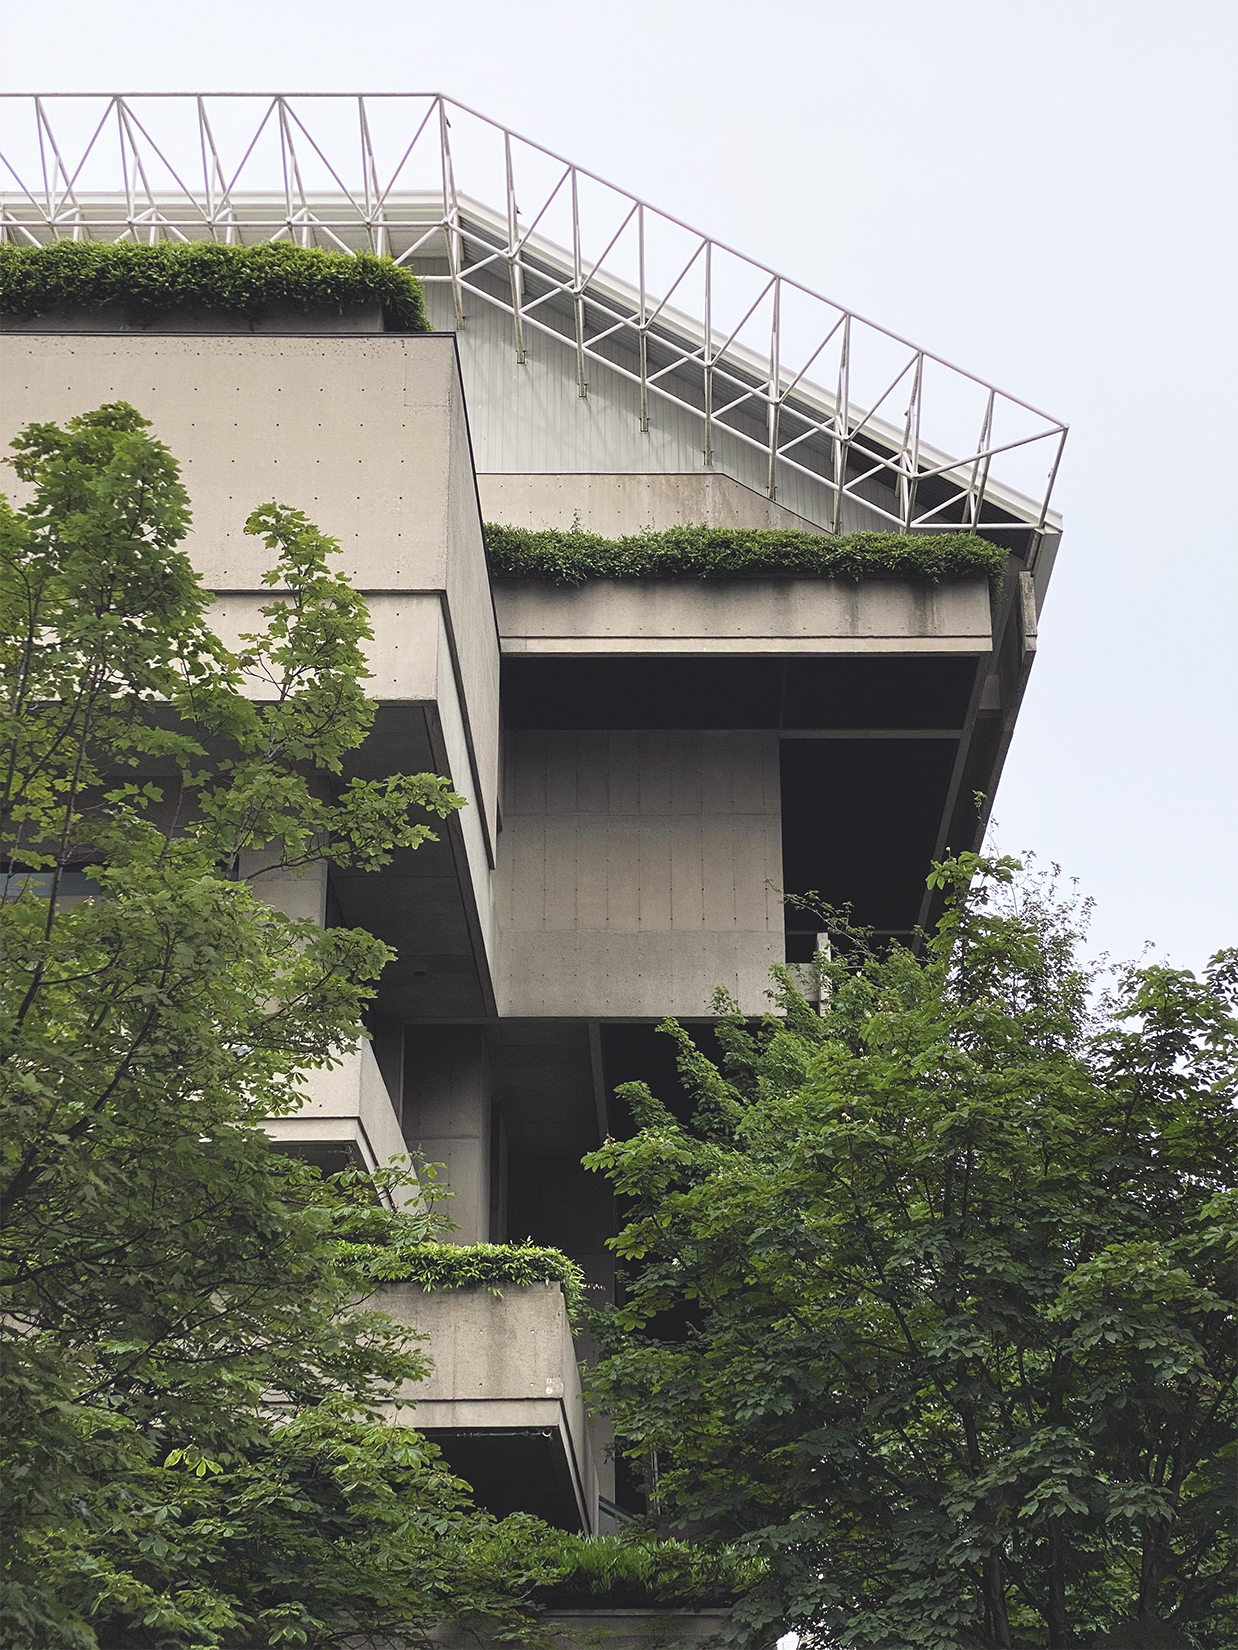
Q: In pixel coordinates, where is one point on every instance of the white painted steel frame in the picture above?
(499, 258)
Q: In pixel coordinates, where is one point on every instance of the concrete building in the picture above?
(648, 766)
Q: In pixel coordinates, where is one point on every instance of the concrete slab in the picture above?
(346, 1105)
(617, 617)
(500, 1362)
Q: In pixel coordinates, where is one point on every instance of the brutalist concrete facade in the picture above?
(648, 768)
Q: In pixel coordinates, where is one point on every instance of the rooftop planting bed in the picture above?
(621, 1573)
(146, 282)
(572, 557)
(492, 1266)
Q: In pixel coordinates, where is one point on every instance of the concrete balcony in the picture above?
(366, 433)
(503, 1401)
(744, 616)
(347, 1119)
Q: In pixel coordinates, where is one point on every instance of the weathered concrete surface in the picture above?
(367, 435)
(616, 505)
(346, 1105)
(743, 616)
(637, 872)
(447, 1118)
(499, 1361)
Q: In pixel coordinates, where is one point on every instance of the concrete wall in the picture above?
(499, 1361)
(448, 1094)
(529, 417)
(749, 616)
(615, 505)
(633, 871)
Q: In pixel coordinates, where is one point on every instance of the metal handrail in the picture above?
(182, 188)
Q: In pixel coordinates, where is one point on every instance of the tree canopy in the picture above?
(189, 1388)
(931, 1302)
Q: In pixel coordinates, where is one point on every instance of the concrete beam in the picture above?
(779, 617)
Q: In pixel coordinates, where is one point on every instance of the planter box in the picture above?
(743, 615)
(604, 1630)
(279, 318)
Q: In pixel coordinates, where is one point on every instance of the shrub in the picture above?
(247, 281)
(492, 1266)
(728, 552)
(634, 1571)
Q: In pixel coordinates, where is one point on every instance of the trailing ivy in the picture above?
(492, 1266)
(247, 281)
(572, 557)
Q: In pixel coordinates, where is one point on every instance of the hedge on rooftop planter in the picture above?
(491, 1266)
(642, 1573)
(572, 557)
(247, 281)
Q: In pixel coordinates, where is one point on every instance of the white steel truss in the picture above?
(809, 385)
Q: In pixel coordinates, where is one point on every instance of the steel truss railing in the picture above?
(689, 321)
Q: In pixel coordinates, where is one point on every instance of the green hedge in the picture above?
(620, 1573)
(247, 281)
(492, 1266)
(725, 552)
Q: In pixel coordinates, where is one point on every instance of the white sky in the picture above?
(1040, 190)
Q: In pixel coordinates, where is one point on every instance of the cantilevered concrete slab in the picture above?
(743, 616)
(505, 1366)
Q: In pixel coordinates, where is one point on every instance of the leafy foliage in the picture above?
(639, 1572)
(491, 1266)
(727, 552)
(148, 281)
(317, 1532)
(167, 1282)
(957, 1261)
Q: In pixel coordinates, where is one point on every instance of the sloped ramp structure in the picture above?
(689, 356)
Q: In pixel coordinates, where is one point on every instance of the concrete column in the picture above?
(387, 1041)
(447, 1106)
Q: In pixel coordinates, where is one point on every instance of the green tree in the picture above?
(183, 1364)
(956, 1260)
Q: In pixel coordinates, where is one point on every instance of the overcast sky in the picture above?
(1043, 192)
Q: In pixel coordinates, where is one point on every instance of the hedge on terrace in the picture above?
(492, 1266)
(574, 556)
(247, 281)
(625, 1573)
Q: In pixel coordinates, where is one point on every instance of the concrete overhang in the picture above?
(504, 1366)
(761, 616)
(345, 1118)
